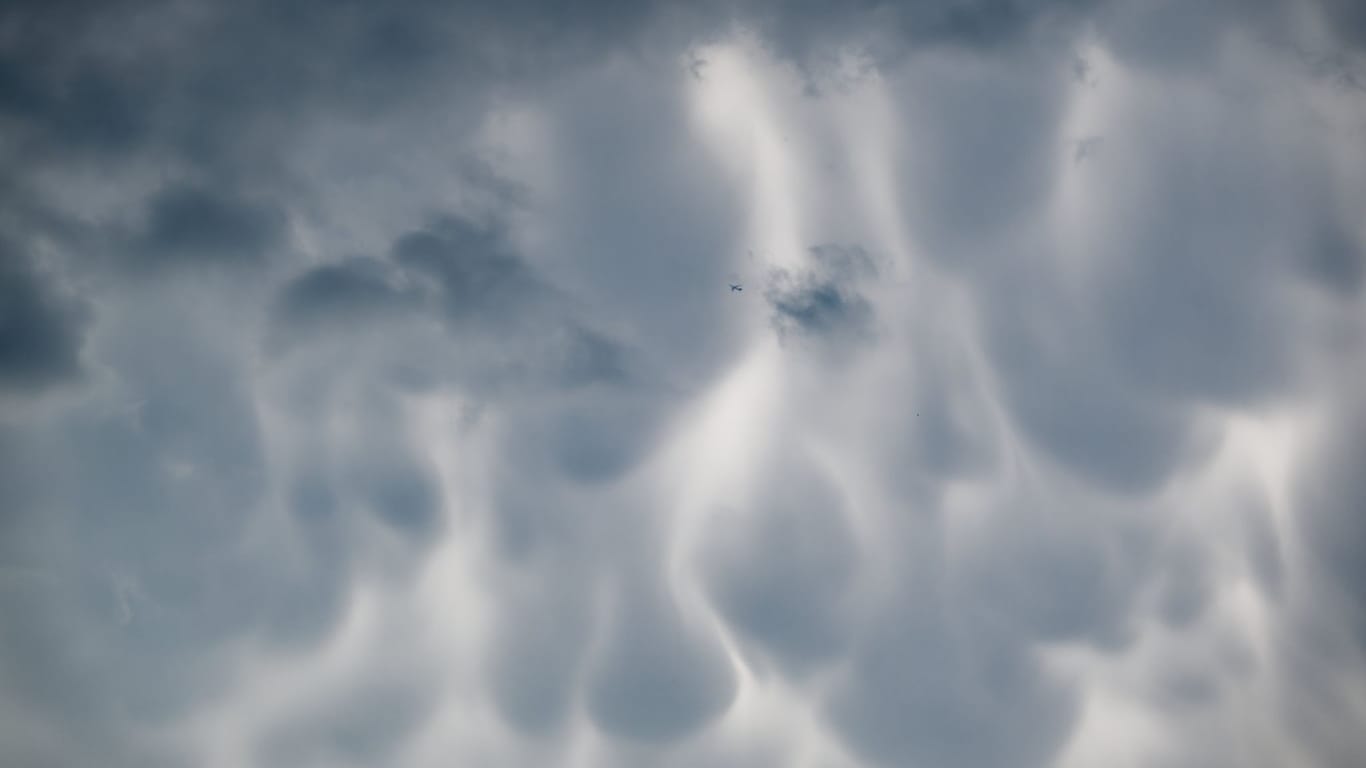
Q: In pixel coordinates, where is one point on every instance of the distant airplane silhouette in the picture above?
(736, 288)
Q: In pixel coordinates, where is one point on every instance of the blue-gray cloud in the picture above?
(41, 332)
(370, 389)
(824, 299)
(186, 224)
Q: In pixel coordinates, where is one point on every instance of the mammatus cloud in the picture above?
(371, 391)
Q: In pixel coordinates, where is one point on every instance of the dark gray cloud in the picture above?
(41, 332)
(930, 686)
(983, 157)
(504, 324)
(1336, 260)
(187, 224)
(656, 677)
(539, 654)
(824, 300)
(1056, 574)
(355, 290)
(1346, 19)
(1082, 415)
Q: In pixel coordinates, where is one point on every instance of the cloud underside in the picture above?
(371, 390)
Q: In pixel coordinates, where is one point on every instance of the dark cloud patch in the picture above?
(379, 469)
(602, 437)
(472, 274)
(53, 98)
(656, 678)
(41, 332)
(782, 570)
(1055, 571)
(98, 111)
(507, 328)
(813, 32)
(545, 606)
(463, 273)
(349, 292)
(188, 224)
(981, 148)
(1169, 302)
(1346, 20)
(403, 496)
(181, 90)
(824, 300)
(1085, 416)
(1336, 259)
(929, 687)
(543, 630)
(19, 91)
(1166, 33)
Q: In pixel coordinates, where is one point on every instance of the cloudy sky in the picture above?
(372, 391)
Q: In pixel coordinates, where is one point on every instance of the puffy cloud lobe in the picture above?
(657, 677)
(1082, 415)
(333, 294)
(538, 658)
(927, 687)
(186, 224)
(504, 324)
(782, 567)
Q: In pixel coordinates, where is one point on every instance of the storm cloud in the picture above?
(373, 390)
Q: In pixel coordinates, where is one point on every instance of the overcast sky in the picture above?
(373, 391)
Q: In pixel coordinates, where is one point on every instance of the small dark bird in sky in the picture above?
(736, 287)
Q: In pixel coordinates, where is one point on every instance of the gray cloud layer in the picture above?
(371, 391)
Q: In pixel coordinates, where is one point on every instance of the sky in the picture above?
(372, 389)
